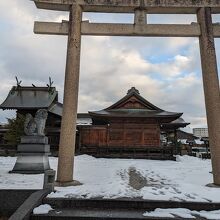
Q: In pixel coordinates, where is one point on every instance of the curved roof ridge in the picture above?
(134, 92)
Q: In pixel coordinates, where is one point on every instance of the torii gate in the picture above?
(75, 27)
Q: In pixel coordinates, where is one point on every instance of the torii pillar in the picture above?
(211, 87)
(70, 102)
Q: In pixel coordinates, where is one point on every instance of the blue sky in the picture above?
(166, 71)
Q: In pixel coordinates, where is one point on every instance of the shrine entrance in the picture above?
(75, 27)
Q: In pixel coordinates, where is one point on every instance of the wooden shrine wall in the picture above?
(120, 135)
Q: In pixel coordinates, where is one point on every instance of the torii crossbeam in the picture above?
(75, 27)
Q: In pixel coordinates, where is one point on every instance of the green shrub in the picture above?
(16, 129)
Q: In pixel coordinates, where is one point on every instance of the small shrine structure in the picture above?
(131, 127)
(28, 99)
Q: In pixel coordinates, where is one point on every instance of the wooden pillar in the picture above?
(211, 87)
(175, 141)
(70, 102)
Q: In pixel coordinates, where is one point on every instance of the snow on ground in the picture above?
(183, 213)
(42, 209)
(169, 213)
(181, 180)
(17, 181)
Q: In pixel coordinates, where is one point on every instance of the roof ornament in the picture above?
(18, 82)
(50, 89)
(50, 83)
(133, 90)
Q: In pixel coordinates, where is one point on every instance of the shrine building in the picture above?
(130, 128)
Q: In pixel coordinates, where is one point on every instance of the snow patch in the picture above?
(42, 209)
(215, 215)
(183, 213)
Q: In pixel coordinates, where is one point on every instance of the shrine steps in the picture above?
(93, 214)
(110, 209)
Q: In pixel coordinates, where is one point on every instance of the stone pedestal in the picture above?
(32, 155)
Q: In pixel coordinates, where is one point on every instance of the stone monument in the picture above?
(34, 149)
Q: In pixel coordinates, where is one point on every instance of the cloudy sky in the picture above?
(166, 71)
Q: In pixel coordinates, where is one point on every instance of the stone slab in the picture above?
(34, 148)
(34, 140)
(128, 203)
(94, 214)
(8, 203)
(25, 210)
